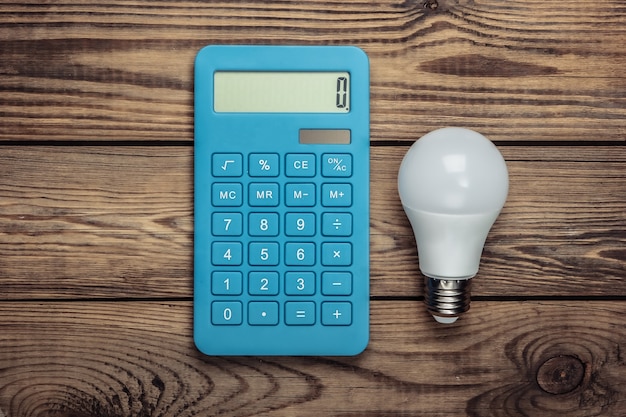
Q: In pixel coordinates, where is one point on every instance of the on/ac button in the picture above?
(336, 165)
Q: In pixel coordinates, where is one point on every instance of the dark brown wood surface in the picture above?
(96, 216)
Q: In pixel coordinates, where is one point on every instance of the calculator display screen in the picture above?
(281, 92)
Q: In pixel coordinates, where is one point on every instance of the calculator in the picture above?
(281, 200)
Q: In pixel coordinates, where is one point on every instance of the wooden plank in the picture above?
(123, 71)
(118, 222)
(137, 358)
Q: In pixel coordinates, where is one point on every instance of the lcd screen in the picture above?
(281, 92)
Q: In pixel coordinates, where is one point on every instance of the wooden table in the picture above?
(96, 219)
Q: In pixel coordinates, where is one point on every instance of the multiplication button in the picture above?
(336, 254)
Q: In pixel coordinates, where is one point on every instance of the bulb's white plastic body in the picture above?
(452, 182)
(450, 245)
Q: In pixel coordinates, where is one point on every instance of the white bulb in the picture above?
(453, 182)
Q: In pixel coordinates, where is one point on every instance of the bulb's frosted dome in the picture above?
(453, 171)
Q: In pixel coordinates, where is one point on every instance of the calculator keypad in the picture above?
(281, 250)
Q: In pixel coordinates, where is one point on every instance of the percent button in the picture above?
(263, 165)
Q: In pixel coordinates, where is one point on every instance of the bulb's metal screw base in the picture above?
(447, 298)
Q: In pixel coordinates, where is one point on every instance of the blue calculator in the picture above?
(281, 187)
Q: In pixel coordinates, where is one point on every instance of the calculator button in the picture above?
(336, 283)
(336, 195)
(300, 165)
(300, 195)
(263, 283)
(227, 194)
(263, 253)
(227, 224)
(226, 253)
(226, 283)
(263, 165)
(263, 313)
(300, 313)
(225, 313)
(300, 224)
(263, 224)
(299, 283)
(337, 224)
(227, 165)
(336, 314)
(336, 254)
(263, 194)
(336, 165)
(299, 254)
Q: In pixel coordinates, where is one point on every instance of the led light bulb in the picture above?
(453, 183)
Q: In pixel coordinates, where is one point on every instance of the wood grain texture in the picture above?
(137, 358)
(536, 71)
(118, 222)
(96, 217)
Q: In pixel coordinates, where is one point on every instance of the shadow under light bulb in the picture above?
(453, 182)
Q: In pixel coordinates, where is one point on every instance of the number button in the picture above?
(263, 224)
(300, 254)
(226, 313)
(227, 165)
(336, 165)
(263, 253)
(227, 224)
(226, 283)
(226, 253)
(263, 283)
(263, 165)
(299, 283)
(300, 224)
